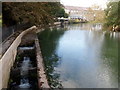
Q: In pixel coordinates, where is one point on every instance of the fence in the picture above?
(8, 31)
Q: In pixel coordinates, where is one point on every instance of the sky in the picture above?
(84, 3)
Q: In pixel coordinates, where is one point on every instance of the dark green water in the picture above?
(80, 56)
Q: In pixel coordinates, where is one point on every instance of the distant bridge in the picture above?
(73, 20)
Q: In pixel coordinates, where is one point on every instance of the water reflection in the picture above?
(83, 62)
(81, 57)
(84, 26)
(48, 40)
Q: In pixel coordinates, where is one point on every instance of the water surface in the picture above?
(80, 56)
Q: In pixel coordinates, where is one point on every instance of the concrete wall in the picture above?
(8, 59)
(42, 79)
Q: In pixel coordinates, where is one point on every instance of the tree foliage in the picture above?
(36, 13)
(96, 14)
(112, 14)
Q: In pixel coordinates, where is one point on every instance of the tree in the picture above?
(36, 13)
(112, 14)
(95, 14)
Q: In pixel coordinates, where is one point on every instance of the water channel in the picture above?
(23, 74)
(80, 56)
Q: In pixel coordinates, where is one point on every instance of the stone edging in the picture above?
(42, 80)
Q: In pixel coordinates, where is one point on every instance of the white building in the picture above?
(76, 12)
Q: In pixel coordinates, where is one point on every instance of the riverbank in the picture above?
(113, 28)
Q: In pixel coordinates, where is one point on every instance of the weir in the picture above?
(24, 82)
(24, 71)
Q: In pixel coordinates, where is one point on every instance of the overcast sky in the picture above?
(84, 3)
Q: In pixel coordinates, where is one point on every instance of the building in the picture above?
(79, 13)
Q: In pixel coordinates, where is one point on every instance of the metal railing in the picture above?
(8, 31)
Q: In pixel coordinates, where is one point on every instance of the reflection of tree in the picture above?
(48, 40)
(110, 55)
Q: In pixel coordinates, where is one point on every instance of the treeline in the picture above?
(34, 13)
(113, 15)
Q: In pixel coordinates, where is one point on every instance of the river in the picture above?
(80, 56)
